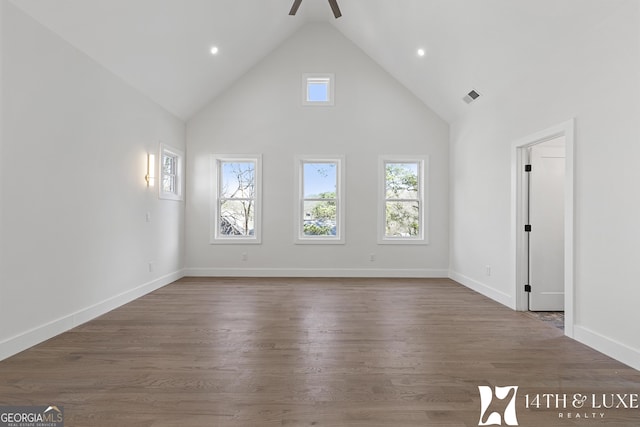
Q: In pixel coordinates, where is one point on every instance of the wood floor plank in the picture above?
(310, 352)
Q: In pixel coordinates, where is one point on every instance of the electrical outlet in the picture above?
(372, 257)
(150, 267)
(245, 256)
(488, 270)
(148, 217)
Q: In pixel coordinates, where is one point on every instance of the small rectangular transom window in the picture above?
(318, 89)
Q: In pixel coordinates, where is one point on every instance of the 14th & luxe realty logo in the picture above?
(498, 405)
(502, 394)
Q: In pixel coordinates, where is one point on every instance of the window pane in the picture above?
(320, 218)
(168, 165)
(237, 218)
(168, 183)
(317, 91)
(238, 180)
(401, 180)
(170, 173)
(402, 219)
(320, 180)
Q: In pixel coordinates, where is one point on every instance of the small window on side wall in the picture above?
(171, 173)
(318, 89)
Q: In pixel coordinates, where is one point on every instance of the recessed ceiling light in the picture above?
(214, 50)
(421, 52)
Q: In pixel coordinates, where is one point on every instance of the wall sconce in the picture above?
(150, 177)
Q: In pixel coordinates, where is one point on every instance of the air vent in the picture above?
(471, 96)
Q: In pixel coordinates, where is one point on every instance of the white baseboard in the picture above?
(612, 348)
(317, 272)
(481, 288)
(25, 340)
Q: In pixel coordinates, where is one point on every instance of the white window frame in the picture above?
(178, 155)
(299, 237)
(315, 77)
(423, 168)
(216, 180)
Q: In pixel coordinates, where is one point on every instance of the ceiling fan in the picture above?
(332, 3)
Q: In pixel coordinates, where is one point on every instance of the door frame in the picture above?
(518, 206)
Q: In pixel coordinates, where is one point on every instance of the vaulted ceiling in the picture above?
(161, 47)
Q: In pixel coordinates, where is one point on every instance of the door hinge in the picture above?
(527, 168)
(527, 228)
(527, 288)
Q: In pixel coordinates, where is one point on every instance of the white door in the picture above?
(546, 216)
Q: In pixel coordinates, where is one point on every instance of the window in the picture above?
(319, 200)
(171, 173)
(317, 89)
(402, 192)
(236, 199)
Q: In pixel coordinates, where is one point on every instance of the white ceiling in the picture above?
(161, 47)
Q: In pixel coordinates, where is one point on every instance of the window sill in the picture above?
(403, 241)
(235, 241)
(319, 241)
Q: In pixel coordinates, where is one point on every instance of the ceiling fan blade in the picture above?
(335, 8)
(294, 8)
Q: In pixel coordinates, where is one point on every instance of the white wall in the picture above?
(2, 288)
(75, 242)
(262, 113)
(598, 84)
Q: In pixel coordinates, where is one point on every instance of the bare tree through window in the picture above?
(237, 198)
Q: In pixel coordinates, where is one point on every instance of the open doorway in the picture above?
(542, 222)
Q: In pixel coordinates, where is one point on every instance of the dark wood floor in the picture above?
(319, 352)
